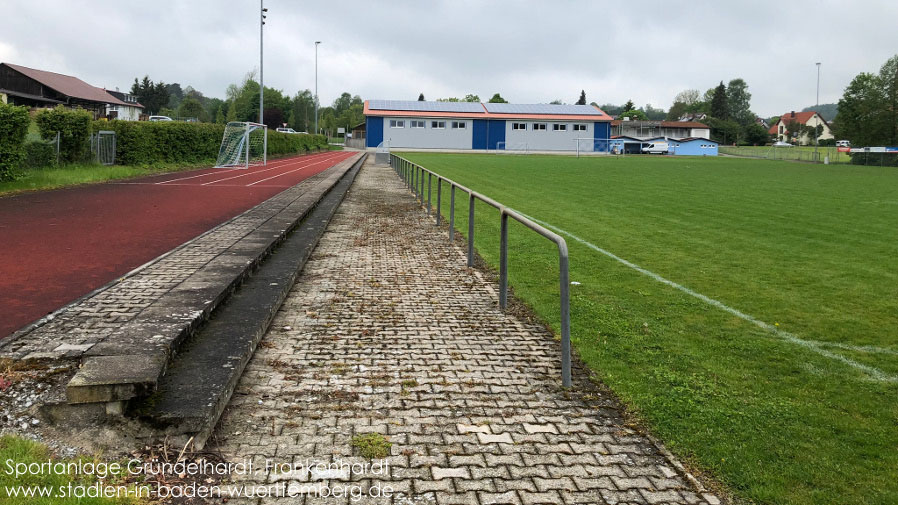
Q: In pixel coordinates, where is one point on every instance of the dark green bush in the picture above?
(39, 154)
(875, 159)
(74, 128)
(147, 143)
(13, 128)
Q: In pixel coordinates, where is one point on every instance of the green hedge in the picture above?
(13, 128)
(39, 154)
(74, 128)
(150, 142)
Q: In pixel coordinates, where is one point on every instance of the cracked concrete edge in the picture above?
(25, 330)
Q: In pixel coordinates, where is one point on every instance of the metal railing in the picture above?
(414, 177)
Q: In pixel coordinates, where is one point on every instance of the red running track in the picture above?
(56, 246)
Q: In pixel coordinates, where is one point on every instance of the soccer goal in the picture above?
(244, 145)
(512, 148)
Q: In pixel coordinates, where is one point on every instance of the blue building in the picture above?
(486, 126)
(693, 146)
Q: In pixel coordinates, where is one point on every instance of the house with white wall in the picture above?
(809, 118)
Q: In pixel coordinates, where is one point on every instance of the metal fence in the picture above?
(826, 154)
(102, 147)
(414, 176)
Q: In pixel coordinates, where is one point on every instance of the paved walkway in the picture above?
(387, 331)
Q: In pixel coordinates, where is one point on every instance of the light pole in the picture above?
(261, 60)
(316, 86)
(817, 137)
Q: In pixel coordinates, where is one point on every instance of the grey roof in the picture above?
(412, 105)
(542, 108)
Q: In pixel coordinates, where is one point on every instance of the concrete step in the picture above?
(130, 362)
(201, 379)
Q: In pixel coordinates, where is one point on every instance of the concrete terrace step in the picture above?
(132, 357)
(201, 379)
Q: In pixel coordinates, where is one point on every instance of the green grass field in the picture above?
(804, 411)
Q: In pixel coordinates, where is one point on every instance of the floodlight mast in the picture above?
(262, 17)
(817, 137)
(316, 86)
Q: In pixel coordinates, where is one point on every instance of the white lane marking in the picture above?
(294, 170)
(191, 177)
(225, 170)
(254, 172)
(813, 345)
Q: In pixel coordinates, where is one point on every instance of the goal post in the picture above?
(595, 145)
(244, 144)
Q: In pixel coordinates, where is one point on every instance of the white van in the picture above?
(656, 148)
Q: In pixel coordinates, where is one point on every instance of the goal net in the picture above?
(243, 145)
(512, 148)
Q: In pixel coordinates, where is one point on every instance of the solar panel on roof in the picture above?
(416, 106)
(541, 108)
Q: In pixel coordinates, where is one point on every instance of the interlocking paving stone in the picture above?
(387, 331)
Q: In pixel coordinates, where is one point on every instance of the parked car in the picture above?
(160, 118)
(780, 143)
(287, 130)
(843, 143)
(656, 148)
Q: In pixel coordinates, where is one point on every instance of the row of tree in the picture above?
(241, 103)
(868, 110)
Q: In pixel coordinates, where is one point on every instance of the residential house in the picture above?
(810, 119)
(39, 88)
(650, 129)
(130, 112)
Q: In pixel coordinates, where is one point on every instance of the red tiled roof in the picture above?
(799, 117)
(665, 124)
(68, 85)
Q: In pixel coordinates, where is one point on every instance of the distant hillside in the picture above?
(827, 110)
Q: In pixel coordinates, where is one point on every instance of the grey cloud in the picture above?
(530, 51)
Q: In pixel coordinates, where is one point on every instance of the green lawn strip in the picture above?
(71, 175)
(14, 450)
(776, 422)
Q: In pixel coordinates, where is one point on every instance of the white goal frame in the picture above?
(244, 160)
(503, 147)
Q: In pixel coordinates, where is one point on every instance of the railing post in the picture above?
(452, 213)
(471, 229)
(428, 192)
(565, 286)
(439, 199)
(503, 260)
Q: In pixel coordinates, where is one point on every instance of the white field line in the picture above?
(222, 171)
(271, 166)
(813, 345)
(330, 159)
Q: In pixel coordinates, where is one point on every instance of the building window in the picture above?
(458, 125)
(518, 126)
(539, 126)
(417, 124)
(579, 127)
(397, 124)
(559, 127)
(438, 125)
(782, 128)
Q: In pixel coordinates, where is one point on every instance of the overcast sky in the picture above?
(529, 51)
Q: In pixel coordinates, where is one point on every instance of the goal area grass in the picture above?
(760, 339)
